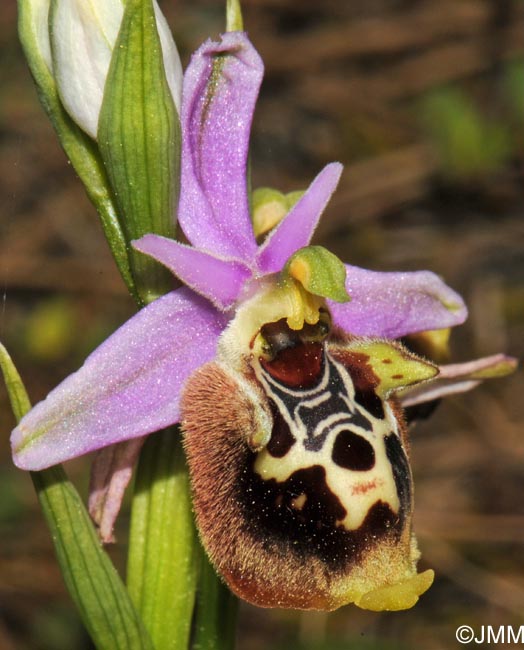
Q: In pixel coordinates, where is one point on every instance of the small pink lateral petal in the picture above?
(217, 279)
(393, 305)
(297, 227)
(111, 473)
(128, 387)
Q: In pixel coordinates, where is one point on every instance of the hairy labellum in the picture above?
(298, 458)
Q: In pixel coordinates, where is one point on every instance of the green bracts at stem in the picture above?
(16, 391)
(96, 588)
(93, 582)
(163, 548)
(139, 139)
(79, 148)
(216, 611)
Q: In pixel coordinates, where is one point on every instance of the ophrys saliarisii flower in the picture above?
(285, 388)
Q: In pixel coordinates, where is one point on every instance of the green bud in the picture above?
(78, 146)
(83, 36)
(139, 139)
(270, 206)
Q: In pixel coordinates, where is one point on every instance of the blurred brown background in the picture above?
(424, 103)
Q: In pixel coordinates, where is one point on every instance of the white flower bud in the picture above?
(83, 35)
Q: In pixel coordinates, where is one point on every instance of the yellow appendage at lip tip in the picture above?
(402, 595)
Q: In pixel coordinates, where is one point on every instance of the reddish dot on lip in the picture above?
(362, 488)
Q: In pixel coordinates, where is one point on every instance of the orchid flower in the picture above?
(282, 366)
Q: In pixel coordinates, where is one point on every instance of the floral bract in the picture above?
(250, 330)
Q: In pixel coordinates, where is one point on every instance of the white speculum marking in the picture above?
(315, 418)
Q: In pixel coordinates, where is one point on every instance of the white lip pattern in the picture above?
(328, 428)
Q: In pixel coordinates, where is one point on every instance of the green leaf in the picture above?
(96, 588)
(16, 391)
(162, 561)
(139, 139)
(319, 272)
(79, 147)
(216, 612)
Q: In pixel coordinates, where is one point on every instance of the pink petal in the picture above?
(127, 387)
(220, 89)
(217, 279)
(438, 390)
(396, 304)
(111, 473)
(297, 227)
(459, 378)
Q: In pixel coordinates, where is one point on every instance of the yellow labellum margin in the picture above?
(397, 597)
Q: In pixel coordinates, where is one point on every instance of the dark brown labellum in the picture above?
(319, 514)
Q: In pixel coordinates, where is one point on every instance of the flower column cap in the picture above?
(319, 272)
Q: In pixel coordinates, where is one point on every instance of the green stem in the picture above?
(216, 612)
(162, 561)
